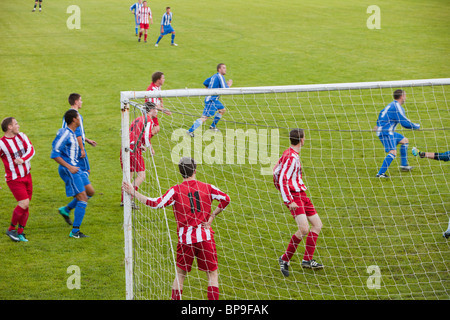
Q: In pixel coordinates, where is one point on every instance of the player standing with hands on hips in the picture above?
(287, 176)
(16, 152)
(191, 201)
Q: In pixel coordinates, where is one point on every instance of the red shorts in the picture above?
(144, 25)
(205, 252)
(137, 163)
(21, 188)
(305, 205)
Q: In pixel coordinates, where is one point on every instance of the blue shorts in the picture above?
(390, 142)
(74, 182)
(211, 107)
(166, 30)
(136, 19)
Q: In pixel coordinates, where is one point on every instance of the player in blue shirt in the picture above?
(65, 151)
(166, 27)
(388, 119)
(76, 102)
(212, 104)
(135, 9)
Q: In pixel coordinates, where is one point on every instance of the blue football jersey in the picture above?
(65, 145)
(392, 115)
(216, 81)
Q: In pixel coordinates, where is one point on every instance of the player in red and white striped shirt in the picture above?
(141, 132)
(157, 81)
(145, 15)
(16, 152)
(287, 175)
(191, 201)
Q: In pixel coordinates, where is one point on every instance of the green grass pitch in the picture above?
(263, 43)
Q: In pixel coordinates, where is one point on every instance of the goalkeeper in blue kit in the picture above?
(388, 119)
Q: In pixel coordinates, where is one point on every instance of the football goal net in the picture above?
(382, 238)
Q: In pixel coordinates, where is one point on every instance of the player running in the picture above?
(388, 119)
(65, 151)
(141, 133)
(76, 102)
(166, 27)
(191, 201)
(16, 152)
(287, 176)
(212, 104)
(134, 10)
(145, 15)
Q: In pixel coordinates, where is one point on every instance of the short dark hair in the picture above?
(6, 122)
(70, 115)
(156, 76)
(296, 135)
(73, 97)
(167, 8)
(187, 167)
(398, 94)
(148, 106)
(219, 65)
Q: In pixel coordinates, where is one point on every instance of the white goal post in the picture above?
(364, 222)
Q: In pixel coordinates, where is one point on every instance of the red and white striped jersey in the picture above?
(144, 14)
(15, 148)
(157, 101)
(287, 175)
(139, 126)
(191, 201)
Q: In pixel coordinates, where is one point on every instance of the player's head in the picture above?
(297, 137)
(75, 100)
(400, 95)
(150, 108)
(144, 3)
(187, 167)
(10, 125)
(222, 68)
(158, 78)
(71, 116)
(167, 9)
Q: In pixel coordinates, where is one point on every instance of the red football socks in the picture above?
(292, 247)
(310, 246)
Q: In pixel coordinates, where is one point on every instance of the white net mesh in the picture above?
(380, 238)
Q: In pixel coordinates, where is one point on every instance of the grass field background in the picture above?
(263, 43)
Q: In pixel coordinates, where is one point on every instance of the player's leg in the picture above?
(173, 40)
(141, 28)
(311, 241)
(177, 287)
(161, 35)
(213, 284)
(389, 147)
(403, 151)
(221, 111)
(199, 121)
(447, 232)
(79, 213)
(40, 5)
(20, 191)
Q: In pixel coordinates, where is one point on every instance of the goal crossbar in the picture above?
(125, 96)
